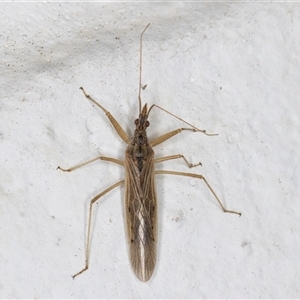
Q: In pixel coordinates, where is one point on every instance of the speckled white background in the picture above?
(229, 68)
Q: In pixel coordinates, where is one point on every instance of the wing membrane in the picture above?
(140, 201)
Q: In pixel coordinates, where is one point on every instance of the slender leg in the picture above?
(161, 159)
(168, 135)
(199, 177)
(113, 121)
(87, 249)
(114, 160)
(196, 129)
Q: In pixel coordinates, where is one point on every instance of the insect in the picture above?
(140, 193)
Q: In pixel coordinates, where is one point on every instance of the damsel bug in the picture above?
(140, 194)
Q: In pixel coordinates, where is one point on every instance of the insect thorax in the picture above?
(139, 149)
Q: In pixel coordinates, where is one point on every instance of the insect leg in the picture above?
(196, 129)
(161, 159)
(168, 135)
(199, 177)
(88, 240)
(114, 160)
(113, 121)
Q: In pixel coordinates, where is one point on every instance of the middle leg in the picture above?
(177, 156)
(106, 158)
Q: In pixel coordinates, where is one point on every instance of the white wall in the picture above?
(229, 68)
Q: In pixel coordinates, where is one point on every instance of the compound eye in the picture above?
(147, 124)
(136, 121)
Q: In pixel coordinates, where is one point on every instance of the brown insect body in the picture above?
(140, 200)
(140, 193)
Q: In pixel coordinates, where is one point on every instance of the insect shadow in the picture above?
(140, 194)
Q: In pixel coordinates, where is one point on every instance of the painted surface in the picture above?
(229, 68)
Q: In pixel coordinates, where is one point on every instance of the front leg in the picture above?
(113, 121)
(168, 135)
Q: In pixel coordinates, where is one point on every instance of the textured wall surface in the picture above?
(229, 68)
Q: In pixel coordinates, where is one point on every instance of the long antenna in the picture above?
(141, 56)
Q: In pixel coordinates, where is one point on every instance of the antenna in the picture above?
(141, 56)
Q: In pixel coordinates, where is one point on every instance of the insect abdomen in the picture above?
(142, 247)
(141, 219)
